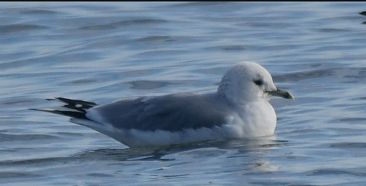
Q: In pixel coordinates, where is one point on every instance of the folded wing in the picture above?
(169, 113)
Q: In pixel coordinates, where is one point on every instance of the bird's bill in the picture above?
(281, 93)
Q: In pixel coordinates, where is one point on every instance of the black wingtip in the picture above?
(77, 103)
(73, 114)
(72, 108)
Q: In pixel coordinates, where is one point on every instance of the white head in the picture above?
(249, 81)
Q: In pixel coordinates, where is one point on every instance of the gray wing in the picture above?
(171, 113)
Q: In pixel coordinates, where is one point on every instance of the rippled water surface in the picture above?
(101, 52)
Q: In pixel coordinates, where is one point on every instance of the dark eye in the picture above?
(258, 82)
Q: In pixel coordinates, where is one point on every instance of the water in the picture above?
(101, 52)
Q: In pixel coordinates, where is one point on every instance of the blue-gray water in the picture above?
(101, 52)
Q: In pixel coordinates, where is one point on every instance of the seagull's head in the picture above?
(249, 81)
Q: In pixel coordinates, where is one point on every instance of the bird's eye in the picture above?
(258, 82)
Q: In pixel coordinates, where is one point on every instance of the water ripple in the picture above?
(39, 12)
(5, 29)
(103, 51)
(346, 145)
(125, 23)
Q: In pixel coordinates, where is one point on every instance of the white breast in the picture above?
(256, 119)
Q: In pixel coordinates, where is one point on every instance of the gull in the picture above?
(239, 109)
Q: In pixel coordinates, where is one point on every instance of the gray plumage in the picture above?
(165, 112)
(238, 109)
